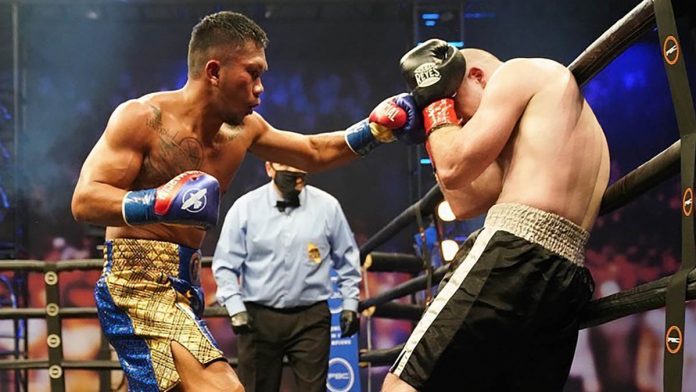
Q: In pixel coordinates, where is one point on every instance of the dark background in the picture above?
(330, 63)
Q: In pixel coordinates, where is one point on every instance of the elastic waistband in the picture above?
(553, 232)
(166, 257)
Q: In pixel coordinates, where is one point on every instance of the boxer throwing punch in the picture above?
(155, 179)
(518, 141)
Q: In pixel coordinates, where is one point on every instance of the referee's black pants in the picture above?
(302, 333)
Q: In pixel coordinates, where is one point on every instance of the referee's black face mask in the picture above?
(289, 183)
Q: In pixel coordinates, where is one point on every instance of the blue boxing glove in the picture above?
(400, 114)
(192, 198)
(396, 117)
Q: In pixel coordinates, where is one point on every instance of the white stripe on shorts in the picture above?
(443, 297)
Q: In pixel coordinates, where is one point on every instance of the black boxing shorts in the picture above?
(506, 315)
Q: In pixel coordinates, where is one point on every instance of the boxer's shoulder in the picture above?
(255, 124)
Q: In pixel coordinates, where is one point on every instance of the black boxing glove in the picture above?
(433, 72)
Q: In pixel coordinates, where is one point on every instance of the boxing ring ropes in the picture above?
(642, 298)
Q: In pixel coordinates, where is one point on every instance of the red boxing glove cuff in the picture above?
(438, 114)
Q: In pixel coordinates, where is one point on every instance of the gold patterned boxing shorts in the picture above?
(149, 295)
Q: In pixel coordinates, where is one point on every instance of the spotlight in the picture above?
(444, 212)
(449, 249)
(92, 14)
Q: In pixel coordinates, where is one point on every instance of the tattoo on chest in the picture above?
(155, 122)
(172, 155)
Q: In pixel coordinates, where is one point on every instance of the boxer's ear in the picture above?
(212, 72)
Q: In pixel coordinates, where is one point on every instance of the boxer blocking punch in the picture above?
(433, 74)
(517, 141)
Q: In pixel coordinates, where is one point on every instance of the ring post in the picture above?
(54, 337)
(686, 121)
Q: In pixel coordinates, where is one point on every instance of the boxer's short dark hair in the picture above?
(221, 28)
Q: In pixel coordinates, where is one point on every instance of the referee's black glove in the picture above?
(241, 323)
(350, 323)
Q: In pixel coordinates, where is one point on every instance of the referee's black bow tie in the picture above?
(282, 204)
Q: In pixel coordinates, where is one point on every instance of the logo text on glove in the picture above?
(426, 75)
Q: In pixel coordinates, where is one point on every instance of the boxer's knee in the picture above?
(214, 376)
(220, 377)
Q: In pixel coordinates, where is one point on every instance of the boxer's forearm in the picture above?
(98, 203)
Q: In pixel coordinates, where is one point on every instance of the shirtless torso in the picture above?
(150, 140)
(550, 151)
(170, 147)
